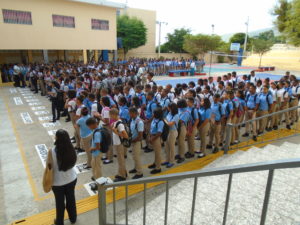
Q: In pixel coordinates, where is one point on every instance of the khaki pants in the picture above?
(203, 133)
(223, 128)
(147, 130)
(42, 86)
(86, 145)
(215, 133)
(157, 153)
(191, 141)
(181, 141)
(262, 123)
(273, 120)
(136, 154)
(286, 115)
(294, 113)
(170, 146)
(251, 114)
(77, 137)
(121, 160)
(96, 166)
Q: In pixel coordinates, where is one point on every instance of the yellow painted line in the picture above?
(9, 84)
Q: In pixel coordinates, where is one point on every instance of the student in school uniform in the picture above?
(171, 120)
(184, 118)
(136, 129)
(205, 115)
(95, 148)
(195, 120)
(228, 107)
(283, 99)
(295, 94)
(118, 133)
(85, 135)
(156, 130)
(273, 120)
(217, 114)
(252, 103)
(265, 107)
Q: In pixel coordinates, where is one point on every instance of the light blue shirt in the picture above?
(204, 113)
(151, 106)
(157, 126)
(164, 102)
(111, 101)
(97, 138)
(85, 131)
(195, 113)
(228, 106)
(252, 101)
(142, 98)
(171, 118)
(184, 115)
(124, 113)
(136, 126)
(264, 102)
(218, 110)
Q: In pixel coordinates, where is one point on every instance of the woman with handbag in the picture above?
(60, 175)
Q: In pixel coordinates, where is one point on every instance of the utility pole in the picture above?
(159, 34)
(212, 34)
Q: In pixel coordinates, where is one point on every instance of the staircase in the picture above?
(246, 197)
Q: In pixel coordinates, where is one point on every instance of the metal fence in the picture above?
(230, 171)
(246, 142)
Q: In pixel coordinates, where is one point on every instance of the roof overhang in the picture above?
(102, 3)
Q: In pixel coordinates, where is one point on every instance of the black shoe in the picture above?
(155, 171)
(201, 155)
(115, 156)
(137, 176)
(79, 150)
(292, 124)
(275, 128)
(215, 150)
(259, 133)
(148, 150)
(52, 121)
(152, 166)
(93, 179)
(254, 138)
(107, 161)
(243, 125)
(133, 171)
(58, 118)
(245, 135)
(67, 120)
(180, 160)
(145, 148)
(86, 167)
(72, 138)
(209, 146)
(189, 155)
(288, 127)
(177, 156)
(73, 141)
(119, 178)
(63, 115)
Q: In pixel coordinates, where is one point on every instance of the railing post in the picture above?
(228, 131)
(102, 204)
(267, 197)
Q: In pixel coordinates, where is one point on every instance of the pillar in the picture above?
(84, 55)
(45, 54)
(65, 55)
(96, 55)
(29, 54)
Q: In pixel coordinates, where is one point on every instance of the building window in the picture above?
(63, 21)
(100, 24)
(16, 17)
(118, 12)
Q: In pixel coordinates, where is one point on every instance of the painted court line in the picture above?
(29, 97)
(40, 113)
(34, 103)
(45, 118)
(42, 151)
(52, 132)
(32, 100)
(18, 101)
(26, 118)
(13, 90)
(50, 125)
(38, 108)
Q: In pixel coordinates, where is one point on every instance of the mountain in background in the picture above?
(226, 37)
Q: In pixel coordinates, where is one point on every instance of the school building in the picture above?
(72, 30)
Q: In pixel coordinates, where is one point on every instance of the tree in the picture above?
(201, 43)
(267, 35)
(132, 31)
(288, 20)
(261, 47)
(176, 40)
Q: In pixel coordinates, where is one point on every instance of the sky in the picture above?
(228, 16)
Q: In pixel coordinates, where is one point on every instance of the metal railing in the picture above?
(246, 142)
(262, 166)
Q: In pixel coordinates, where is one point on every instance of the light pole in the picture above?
(212, 34)
(159, 34)
(246, 37)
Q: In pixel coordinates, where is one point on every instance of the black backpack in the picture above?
(106, 139)
(165, 132)
(126, 142)
(193, 113)
(119, 81)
